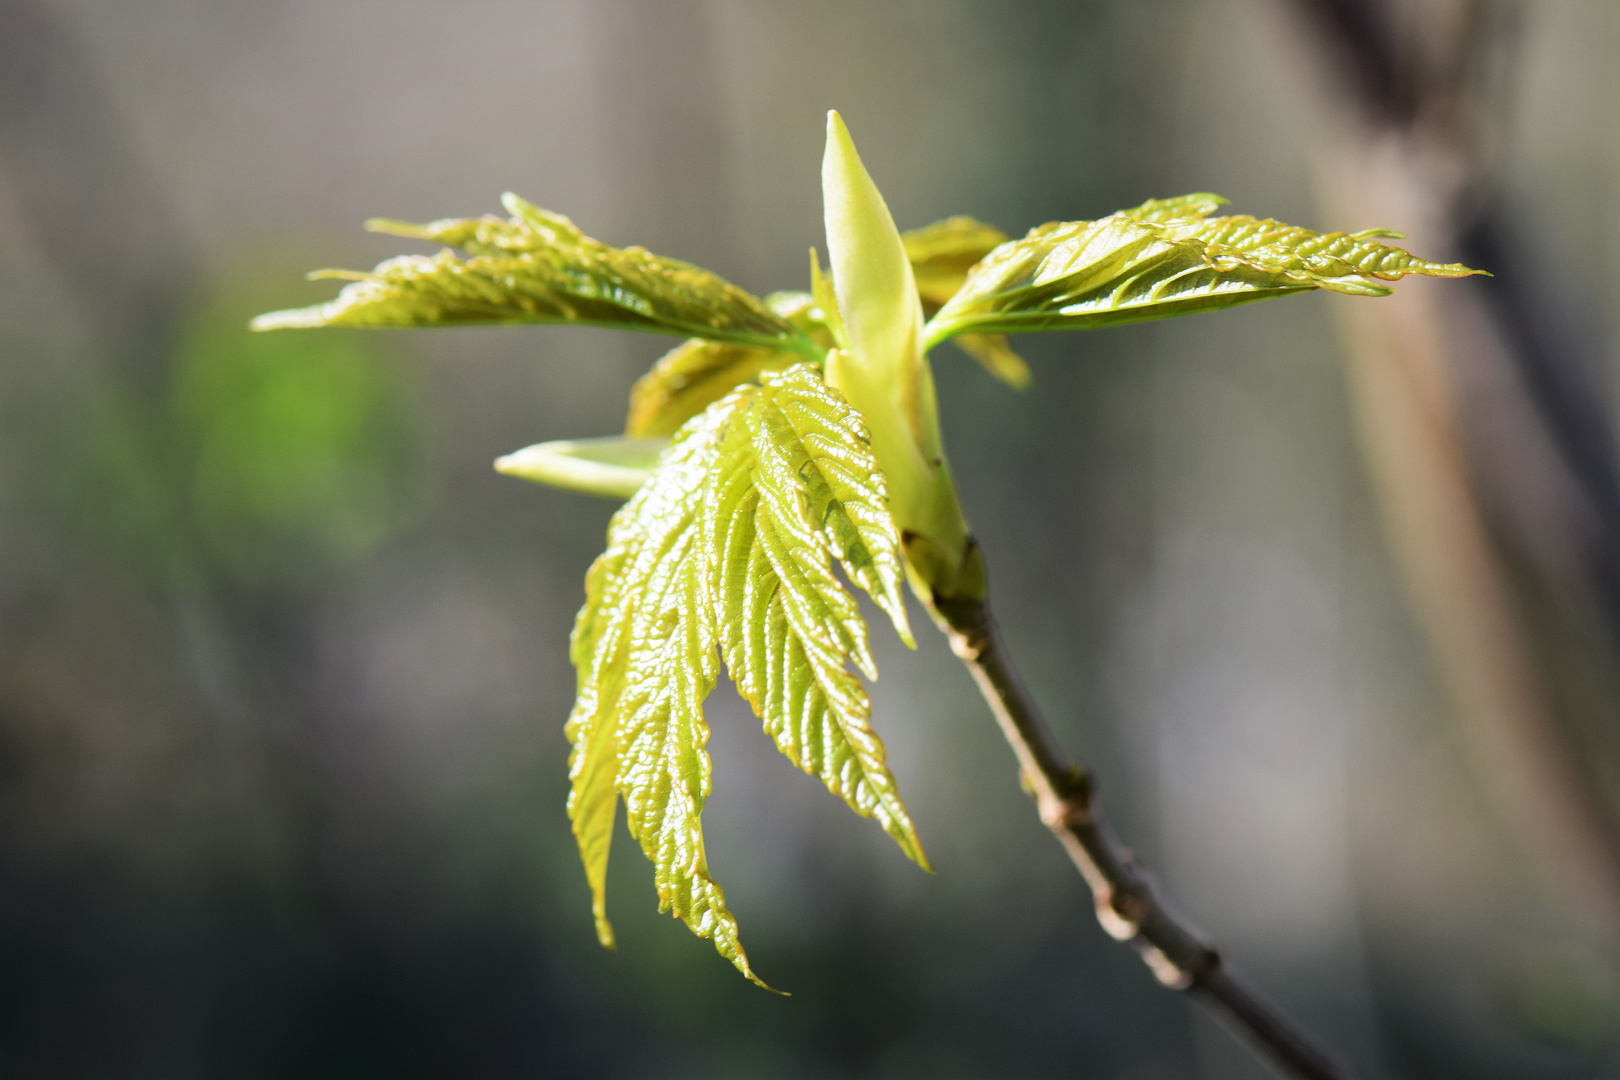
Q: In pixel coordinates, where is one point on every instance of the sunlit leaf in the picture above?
(1164, 258)
(537, 267)
(941, 254)
(1180, 208)
(697, 373)
(996, 356)
(691, 377)
(613, 467)
(727, 551)
(825, 299)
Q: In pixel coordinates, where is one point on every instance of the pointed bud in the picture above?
(883, 371)
(870, 270)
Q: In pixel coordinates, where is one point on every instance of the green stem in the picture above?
(936, 334)
(1127, 906)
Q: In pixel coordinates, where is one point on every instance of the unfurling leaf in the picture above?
(727, 551)
(612, 467)
(1163, 258)
(941, 256)
(691, 377)
(996, 356)
(697, 373)
(825, 299)
(537, 267)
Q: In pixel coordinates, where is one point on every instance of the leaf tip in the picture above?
(873, 282)
(905, 834)
(761, 983)
(611, 467)
(826, 301)
(289, 319)
(733, 951)
(390, 227)
(1378, 234)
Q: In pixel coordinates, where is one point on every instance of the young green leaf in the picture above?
(728, 547)
(995, 355)
(612, 467)
(644, 668)
(941, 256)
(1200, 204)
(691, 377)
(537, 267)
(1164, 258)
(825, 299)
(697, 373)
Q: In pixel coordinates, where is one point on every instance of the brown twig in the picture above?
(1127, 906)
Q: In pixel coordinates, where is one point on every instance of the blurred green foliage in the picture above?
(301, 449)
(269, 456)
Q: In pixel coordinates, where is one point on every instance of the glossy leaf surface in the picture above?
(1166, 257)
(537, 267)
(727, 552)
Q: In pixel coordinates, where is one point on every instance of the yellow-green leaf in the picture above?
(941, 255)
(691, 377)
(727, 551)
(1179, 208)
(825, 299)
(537, 267)
(612, 467)
(1164, 258)
(995, 355)
(697, 372)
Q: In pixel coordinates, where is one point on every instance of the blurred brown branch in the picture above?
(1489, 444)
(1128, 906)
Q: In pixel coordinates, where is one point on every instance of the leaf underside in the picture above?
(1166, 257)
(995, 354)
(612, 467)
(726, 552)
(537, 267)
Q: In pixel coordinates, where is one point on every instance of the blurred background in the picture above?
(1327, 590)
